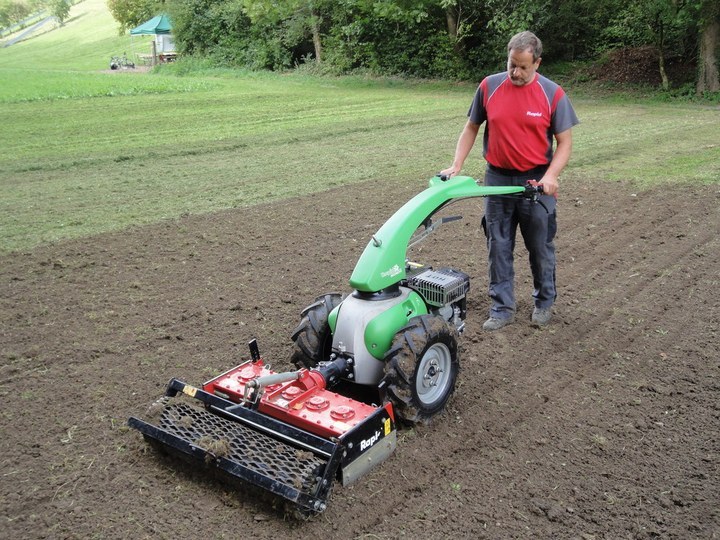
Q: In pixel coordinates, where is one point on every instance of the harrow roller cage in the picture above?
(245, 445)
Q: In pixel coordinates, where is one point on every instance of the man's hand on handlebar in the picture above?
(447, 174)
(533, 190)
(550, 185)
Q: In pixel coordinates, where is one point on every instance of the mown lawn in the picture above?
(84, 151)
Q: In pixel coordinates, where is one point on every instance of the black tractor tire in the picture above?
(312, 337)
(421, 368)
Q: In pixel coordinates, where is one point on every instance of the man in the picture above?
(523, 111)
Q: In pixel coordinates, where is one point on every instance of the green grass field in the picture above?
(84, 151)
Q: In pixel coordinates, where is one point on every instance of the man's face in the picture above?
(521, 67)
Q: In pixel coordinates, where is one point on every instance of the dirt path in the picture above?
(604, 426)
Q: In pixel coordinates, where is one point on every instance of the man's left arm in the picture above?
(559, 160)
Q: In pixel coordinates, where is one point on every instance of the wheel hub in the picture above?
(433, 373)
(430, 378)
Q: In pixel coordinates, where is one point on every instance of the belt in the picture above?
(540, 169)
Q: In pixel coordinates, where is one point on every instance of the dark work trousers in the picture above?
(537, 224)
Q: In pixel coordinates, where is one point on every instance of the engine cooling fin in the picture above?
(441, 287)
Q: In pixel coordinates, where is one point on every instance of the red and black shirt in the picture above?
(521, 120)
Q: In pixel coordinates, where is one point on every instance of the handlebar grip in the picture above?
(532, 187)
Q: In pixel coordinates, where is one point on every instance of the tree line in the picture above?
(450, 39)
(13, 12)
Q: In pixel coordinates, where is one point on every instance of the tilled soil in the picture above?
(604, 425)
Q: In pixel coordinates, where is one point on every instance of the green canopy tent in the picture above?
(160, 27)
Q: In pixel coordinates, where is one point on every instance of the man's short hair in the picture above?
(524, 41)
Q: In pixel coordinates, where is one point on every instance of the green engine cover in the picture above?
(380, 332)
(382, 264)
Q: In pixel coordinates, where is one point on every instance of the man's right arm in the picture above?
(462, 150)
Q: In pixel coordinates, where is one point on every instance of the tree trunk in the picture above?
(708, 77)
(317, 43)
(661, 53)
(663, 73)
(452, 22)
(452, 16)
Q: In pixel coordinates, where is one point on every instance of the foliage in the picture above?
(13, 11)
(131, 13)
(663, 23)
(16, 11)
(60, 9)
(513, 16)
(424, 38)
(223, 31)
(574, 30)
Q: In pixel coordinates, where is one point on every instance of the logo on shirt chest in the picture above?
(534, 114)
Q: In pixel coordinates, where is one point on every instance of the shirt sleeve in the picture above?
(564, 116)
(477, 113)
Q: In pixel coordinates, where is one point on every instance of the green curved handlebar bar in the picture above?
(382, 264)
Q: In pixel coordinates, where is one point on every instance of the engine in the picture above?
(445, 291)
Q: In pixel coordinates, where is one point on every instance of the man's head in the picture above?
(524, 52)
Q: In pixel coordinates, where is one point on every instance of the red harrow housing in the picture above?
(283, 432)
